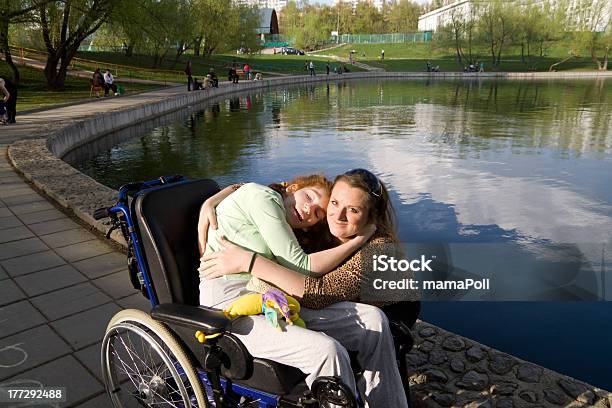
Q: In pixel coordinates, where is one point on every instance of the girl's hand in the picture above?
(366, 234)
(208, 218)
(230, 259)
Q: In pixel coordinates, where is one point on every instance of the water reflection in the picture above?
(506, 178)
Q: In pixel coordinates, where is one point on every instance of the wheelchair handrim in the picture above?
(110, 380)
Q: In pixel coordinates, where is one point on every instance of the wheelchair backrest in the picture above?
(166, 218)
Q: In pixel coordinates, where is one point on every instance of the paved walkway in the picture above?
(59, 283)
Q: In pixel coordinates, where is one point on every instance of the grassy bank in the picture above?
(270, 64)
(414, 57)
(33, 91)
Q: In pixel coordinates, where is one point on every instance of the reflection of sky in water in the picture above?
(516, 176)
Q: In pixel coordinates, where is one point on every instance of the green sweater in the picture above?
(253, 217)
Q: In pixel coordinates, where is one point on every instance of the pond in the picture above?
(511, 180)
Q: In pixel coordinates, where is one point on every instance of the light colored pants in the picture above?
(321, 350)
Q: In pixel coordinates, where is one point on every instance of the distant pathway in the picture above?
(356, 63)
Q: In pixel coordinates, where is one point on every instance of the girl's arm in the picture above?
(208, 217)
(324, 261)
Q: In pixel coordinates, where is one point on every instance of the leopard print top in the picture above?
(353, 279)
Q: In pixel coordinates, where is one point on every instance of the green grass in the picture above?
(269, 64)
(33, 91)
(414, 56)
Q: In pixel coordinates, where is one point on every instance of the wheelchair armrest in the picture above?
(208, 320)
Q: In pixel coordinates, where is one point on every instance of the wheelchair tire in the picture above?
(160, 375)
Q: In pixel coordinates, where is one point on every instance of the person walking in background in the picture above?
(109, 83)
(247, 71)
(481, 67)
(382, 55)
(189, 77)
(327, 68)
(311, 67)
(9, 96)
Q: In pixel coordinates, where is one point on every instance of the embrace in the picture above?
(314, 240)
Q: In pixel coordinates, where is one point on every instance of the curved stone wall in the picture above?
(447, 370)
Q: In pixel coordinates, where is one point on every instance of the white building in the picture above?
(278, 5)
(578, 11)
(378, 4)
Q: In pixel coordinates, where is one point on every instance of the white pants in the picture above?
(321, 350)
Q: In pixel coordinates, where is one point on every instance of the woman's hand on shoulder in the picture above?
(230, 259)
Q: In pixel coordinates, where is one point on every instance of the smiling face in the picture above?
(347, 211)
(305, 207)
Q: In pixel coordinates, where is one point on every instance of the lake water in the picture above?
(511, 180)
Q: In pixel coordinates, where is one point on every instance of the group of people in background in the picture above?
(105, 81)
(210, 80)
(8, 101)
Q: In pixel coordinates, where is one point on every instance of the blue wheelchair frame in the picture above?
(122, 219)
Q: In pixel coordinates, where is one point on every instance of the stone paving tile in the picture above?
(23, 351)
(10, 292)
(26, 208)
(117, 285)
(4, 173)
(90, 358)
(49, 227)
(83, 250)
(9, 222)
(64, 372)
(101, 265)
(74, 299)
(86, 328)
(32, 263)
(15, 234)
(15, 189)
(41, 216)
(50, 279)
(23, 247)
(18, 317)
(65, 238)
(22, 199)
(5, 212)
(135, 301)
(101, 401)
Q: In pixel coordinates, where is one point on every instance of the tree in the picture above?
(593, 30)
(367, 19)
(14, 12)
(402, 16)
(497, 27)
(64, 25)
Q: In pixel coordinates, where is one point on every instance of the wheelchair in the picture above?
(182, 354)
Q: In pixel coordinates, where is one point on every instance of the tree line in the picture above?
(162, 29)
(310, 25)
(494, 26)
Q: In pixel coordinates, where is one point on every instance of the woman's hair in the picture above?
(317, 237)
(380, 209)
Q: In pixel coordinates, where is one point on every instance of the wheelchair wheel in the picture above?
(144, 365)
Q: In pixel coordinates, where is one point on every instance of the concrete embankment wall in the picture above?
(447, 370)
